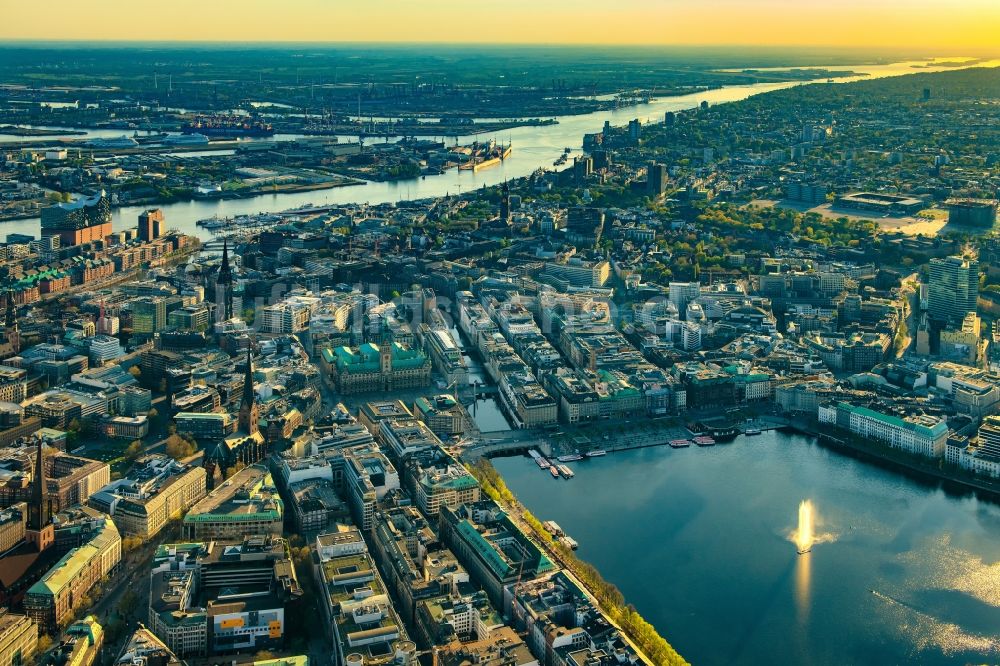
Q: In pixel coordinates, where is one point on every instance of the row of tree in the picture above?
(610, 598)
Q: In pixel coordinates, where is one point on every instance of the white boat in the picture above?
(572, 457)
(597, 453)
(534, 454)
(750, 432)
(566, 471)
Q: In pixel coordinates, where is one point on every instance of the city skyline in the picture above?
(969, 25)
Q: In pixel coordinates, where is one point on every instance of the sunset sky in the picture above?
(955, 24)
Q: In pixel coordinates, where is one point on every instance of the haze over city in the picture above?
(912, 24)
(509, 333)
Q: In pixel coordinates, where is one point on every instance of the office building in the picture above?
(576, 272)
(247, 504)
(143, 648)
(358, 610)
(63, 589)
(160, 489)
(221, 597)
(972, 213)
(149, 314)
(82, 644)
(442, 414)
(953, 288)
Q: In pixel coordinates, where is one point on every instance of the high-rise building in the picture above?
(656, 178)
(953, 288)
(150, 224)
(149, 315)
(682, 293)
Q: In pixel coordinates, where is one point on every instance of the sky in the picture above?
(967, 25)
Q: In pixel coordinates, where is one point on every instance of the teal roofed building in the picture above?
(369, 367)
(492, 548)
(914, 432)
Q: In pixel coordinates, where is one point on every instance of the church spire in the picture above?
(38, 510)
(224, 269)
(225, 281)
(248, 404)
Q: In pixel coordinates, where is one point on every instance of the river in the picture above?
(699, 540)
(534, 148)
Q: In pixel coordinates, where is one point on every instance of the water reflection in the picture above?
(803, 587)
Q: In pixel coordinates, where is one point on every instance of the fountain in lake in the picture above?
(805, 535)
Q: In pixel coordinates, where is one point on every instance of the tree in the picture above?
(238, 467)
(128, 603)
(133, 451)
(152, 413)
(44, 643)
(177, 447)
(135, 371)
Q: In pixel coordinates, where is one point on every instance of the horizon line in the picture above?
(970, 51)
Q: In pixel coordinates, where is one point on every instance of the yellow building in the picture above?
(18, 639)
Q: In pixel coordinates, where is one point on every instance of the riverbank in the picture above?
(640, 634)
(896, 459)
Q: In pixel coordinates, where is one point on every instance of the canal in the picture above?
(701, 541)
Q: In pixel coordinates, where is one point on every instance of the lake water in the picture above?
(534, 148)
(699, 540)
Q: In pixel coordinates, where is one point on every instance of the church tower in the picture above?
(224, 282)
(505, 203)
(248, 404)
(39, 529)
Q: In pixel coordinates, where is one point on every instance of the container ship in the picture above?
(230, 127)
